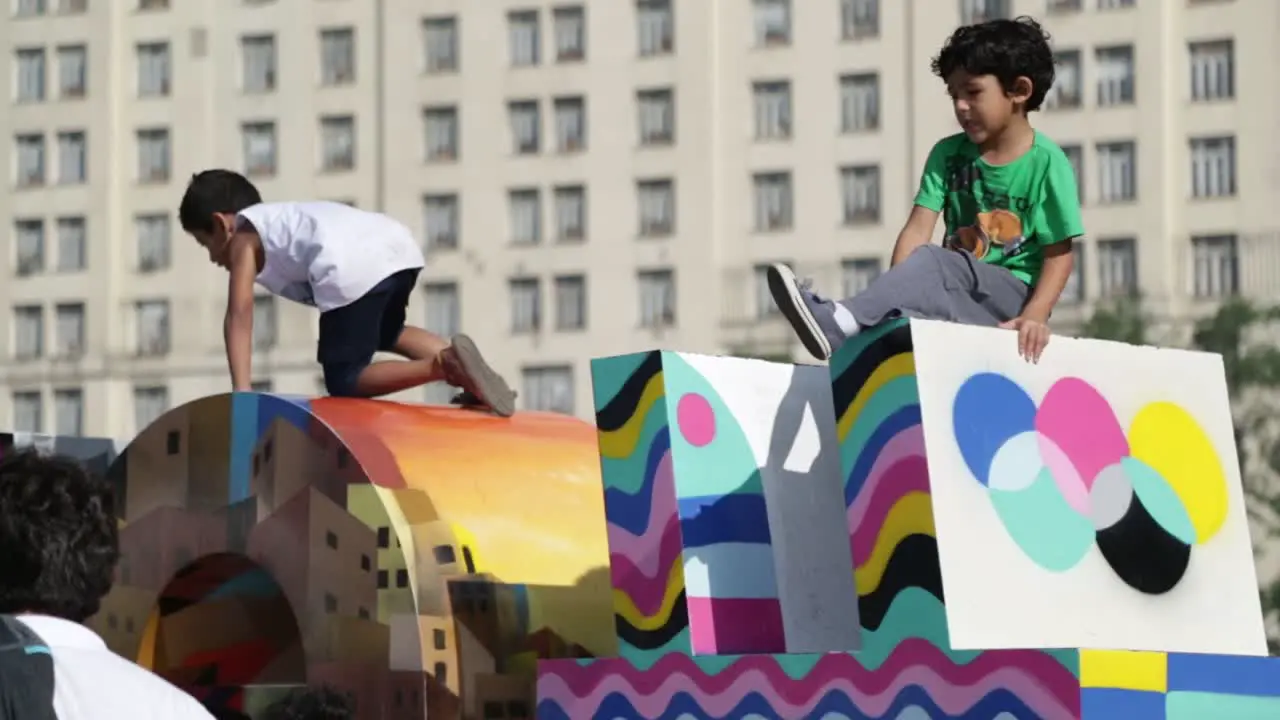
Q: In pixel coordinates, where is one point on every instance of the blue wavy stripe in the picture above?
(631, 512)
(684, 706)
(740, 518)
(900, 420)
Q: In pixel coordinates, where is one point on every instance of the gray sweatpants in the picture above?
(935, 283)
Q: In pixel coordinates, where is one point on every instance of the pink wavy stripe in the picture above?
(646, 588)
(662, 507)
(910, 474)
(729, 626)
(1033, 667)
(951, 699)
(907, 443)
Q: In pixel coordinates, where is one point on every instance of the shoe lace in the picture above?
(805, 286)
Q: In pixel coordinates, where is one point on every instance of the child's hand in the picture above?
(1033, 336)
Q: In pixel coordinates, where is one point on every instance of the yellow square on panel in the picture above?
(1124, 670)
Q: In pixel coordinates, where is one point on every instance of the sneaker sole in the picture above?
(489, 385)
(786, 294)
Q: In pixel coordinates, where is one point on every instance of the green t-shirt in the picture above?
(1003, 214)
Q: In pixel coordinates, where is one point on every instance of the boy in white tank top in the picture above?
(358, 268)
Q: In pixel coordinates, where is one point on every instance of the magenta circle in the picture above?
(696, 419)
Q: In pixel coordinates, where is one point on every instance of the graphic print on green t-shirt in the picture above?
(1003, 214)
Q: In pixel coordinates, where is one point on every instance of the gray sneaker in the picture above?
(811, 316)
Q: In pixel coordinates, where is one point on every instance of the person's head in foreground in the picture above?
(312, 703)
(209, 207)
(58, 537)
(996, 73)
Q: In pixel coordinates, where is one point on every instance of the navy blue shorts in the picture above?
(351, 334)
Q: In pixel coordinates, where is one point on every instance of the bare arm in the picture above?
(917, 231)
(1058, 262)
(237, 327)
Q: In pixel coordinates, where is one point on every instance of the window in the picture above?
(1216, 266)
(72, 156)
(153, 4)
(1073, 291)
(73, 71)
(859, 102)
(1213, 167)
(259, 147)
(1117, 172)
(657, 116)
(571, 302)
(1075, 156)
(331, 539)
(773, 202)
(656, 200)
(28, 411)
(28, 332)
(525, 126)
(68, 331)
(258, 53)
(29, 247)
(978, 11)
(859, 19)
(773, 109)
(440, 43)
(1213, 74)
(571, 124)
(857, 274)
(149, 403)
(764, 305)
(71, 243)
(438, 639)
(1115, 75)
(1066, 90)
(330, 603)
(154, 72)
(772, 22)
(337, 143)
(30, 8)
(1114, 4)
(1064, 6)
(152, 234)
(657, 298)
(68, 412)
(440, 130)
(337, 56)
(152, 317)
(526, 305)
(441, 673)
(29, 149)
(526, 216)
(264, 322)
(861, 187)
(571, 213)
(548, 389)
(571, 33)
(153, 155)
(440, 215)
(655, 27)
(31, 75)
(384, 537)
(1117, 267)
(443, 307)
(523, 28)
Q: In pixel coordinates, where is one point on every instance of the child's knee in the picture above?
(341, 379)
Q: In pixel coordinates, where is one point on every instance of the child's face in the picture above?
(218, 242)
(981, 105)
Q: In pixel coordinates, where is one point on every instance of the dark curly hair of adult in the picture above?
(214, 191)
(1007, 49)
(59, 541)
(312, 703)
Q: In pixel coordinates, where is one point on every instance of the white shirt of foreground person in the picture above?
(93, 683)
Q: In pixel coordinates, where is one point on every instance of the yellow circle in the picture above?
(1168, 439)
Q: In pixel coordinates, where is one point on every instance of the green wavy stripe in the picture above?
(890, 398)
(645, 659)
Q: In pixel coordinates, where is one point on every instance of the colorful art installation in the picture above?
(929, 527)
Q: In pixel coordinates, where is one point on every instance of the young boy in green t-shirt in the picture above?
(1008, 197)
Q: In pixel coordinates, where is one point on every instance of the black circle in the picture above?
(1142, 553)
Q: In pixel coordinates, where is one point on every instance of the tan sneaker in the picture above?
(465, 368)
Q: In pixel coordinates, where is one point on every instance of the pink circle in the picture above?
(696, 419)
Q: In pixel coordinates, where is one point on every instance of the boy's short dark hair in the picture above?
(318, 703)
(59, 541)
(1007, 49)
(214, 191)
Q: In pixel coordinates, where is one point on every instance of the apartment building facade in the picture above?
(588, 178)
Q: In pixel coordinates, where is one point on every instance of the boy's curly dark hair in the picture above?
(1007, 49)
(214, 191)
(59, 541)
(318, 703)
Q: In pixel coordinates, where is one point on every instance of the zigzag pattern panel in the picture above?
(646, 563)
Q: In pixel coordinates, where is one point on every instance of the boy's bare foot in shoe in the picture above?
(465, 368)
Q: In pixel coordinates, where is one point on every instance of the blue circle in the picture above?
(989, 410)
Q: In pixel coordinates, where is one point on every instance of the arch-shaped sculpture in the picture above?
(430, 555)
